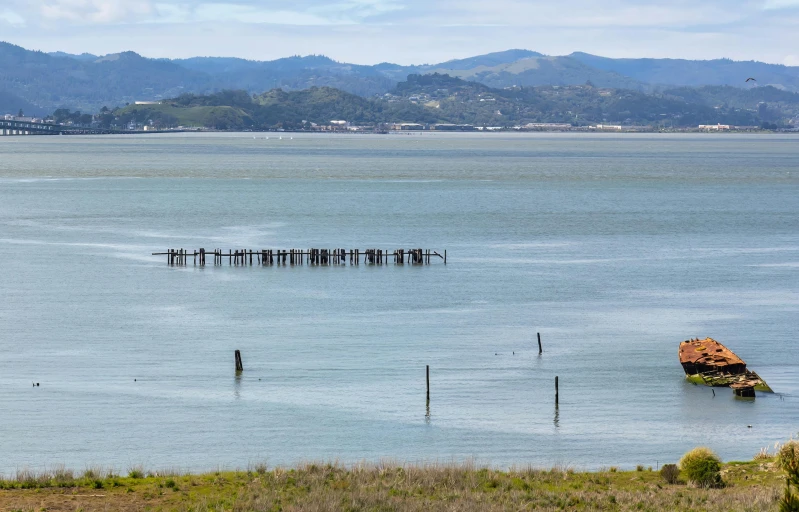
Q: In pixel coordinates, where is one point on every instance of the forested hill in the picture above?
(235, 110)
(88, 82)
(441, 98)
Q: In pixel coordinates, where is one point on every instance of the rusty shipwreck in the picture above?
(710, 363)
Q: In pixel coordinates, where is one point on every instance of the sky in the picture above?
(407, 31)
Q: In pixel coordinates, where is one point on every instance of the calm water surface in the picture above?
(614, 247)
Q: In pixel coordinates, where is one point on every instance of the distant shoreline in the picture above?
(424, 132)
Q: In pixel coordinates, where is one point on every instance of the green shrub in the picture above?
(670, 473)
(788, 459)
(701, 467)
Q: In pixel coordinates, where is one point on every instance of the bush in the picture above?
(788, 459)
(701, 467)
(670, 473)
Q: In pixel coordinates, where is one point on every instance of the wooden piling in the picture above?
(315, 257)
(540, 350)
(428, 382)
(556, 390)
(239, 366)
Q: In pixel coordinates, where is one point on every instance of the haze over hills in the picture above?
(40, 82)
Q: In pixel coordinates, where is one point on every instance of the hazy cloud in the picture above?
(781, 4)
(7, 16)
(94, 11)
(407, 31)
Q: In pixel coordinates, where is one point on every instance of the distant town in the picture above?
(14, 124)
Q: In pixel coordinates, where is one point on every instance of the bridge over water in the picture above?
(15, 127)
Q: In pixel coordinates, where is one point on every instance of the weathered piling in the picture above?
(540, 349)
(556, 390)
(239, 366)
(313, 256)
(427, 374)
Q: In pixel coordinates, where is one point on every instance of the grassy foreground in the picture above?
(750, 486)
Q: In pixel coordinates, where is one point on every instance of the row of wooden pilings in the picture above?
(240, 368)
(269, 257)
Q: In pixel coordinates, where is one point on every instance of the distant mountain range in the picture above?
(41, 82)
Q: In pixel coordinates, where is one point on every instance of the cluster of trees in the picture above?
(64, 116)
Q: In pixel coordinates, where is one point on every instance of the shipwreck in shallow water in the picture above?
(710, 363)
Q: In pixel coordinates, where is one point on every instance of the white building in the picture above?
(607, 127)
(714, 127)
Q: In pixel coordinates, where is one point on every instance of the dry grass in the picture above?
(752, 486)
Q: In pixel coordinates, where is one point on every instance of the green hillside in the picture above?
(440, 98)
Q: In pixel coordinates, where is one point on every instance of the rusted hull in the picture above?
(697, 368)
(710, 363)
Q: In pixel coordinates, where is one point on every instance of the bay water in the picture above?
(614, 247)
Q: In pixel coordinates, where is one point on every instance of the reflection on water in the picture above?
(237, 386)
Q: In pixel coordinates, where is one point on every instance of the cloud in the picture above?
(422, 13)
(10, 17)
(406, 31)
(780, 4)
(94, 11)
(225, 12)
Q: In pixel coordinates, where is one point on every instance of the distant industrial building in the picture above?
(408, 126)
(714, 127)
(606, 127)
(544, 126)
(453, 127)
